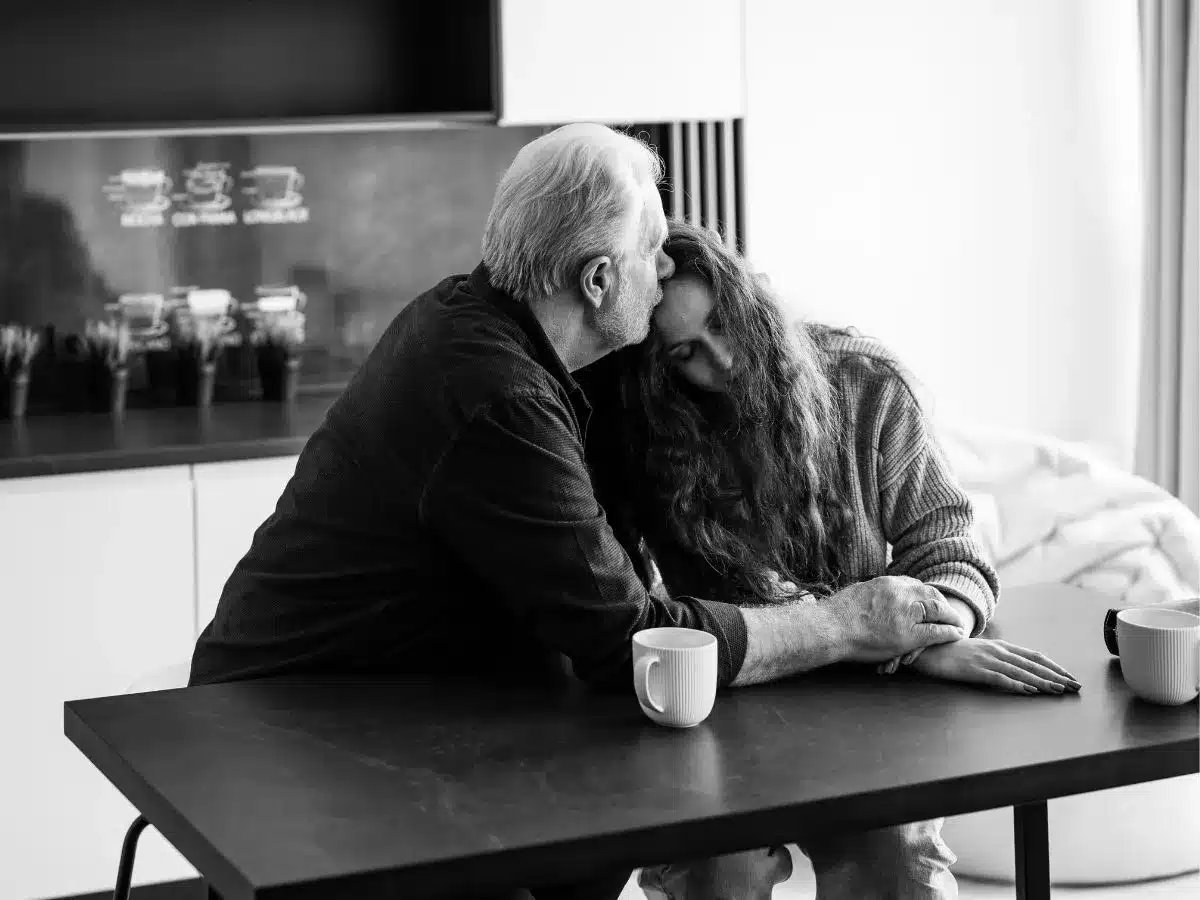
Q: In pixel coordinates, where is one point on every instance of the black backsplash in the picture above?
(360, 223)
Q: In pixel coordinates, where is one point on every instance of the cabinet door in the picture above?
(98, 590)
(232, 500)
(620, 61)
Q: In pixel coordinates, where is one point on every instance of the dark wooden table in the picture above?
(305, 788)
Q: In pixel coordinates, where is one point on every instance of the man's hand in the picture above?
(997, 664)
(968, 625)
(892, 615)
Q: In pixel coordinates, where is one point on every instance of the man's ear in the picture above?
(596, 281)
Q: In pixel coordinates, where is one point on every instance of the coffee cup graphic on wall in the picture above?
(143, 313)
(208, 187)
(215, 304)
(279, 298)
(209, 301)
(143, 190)
(274, 187)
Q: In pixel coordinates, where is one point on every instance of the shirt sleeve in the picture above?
(926, 516)
(687, 572)
(513, 499)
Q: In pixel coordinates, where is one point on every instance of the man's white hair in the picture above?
(568, 197)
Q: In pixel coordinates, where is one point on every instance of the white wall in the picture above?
(959, 178)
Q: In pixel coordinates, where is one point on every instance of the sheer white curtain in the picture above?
(1168, 433)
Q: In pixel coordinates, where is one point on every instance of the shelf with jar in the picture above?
(19, 346)
(111, 366)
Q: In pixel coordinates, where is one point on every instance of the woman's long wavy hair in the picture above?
(749, 479)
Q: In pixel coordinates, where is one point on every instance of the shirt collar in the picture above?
(540, 347)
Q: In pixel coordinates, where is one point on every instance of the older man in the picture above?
(442, 519)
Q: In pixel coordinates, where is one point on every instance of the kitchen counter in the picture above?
(66, 444)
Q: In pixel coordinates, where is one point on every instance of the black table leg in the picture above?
(1031, 834)
(128, 851)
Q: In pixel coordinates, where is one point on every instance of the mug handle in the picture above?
(641, 682)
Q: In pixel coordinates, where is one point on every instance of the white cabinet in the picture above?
(106, 578)
(620, 61)
(97, 590)
(232, 500)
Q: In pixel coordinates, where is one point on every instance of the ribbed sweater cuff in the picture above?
(969, 591)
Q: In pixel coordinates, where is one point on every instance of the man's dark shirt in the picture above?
(442, 520)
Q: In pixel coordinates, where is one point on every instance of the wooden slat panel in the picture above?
(708, 131)
(675, 170)
(730, 189)
(692, 131)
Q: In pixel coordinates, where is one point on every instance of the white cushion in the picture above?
(1051, 511)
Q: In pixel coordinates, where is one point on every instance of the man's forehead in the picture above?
(654, 221)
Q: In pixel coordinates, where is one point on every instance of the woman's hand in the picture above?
(997, 664)
(890, 667)
(783, 590)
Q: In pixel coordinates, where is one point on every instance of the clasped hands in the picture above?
(893, 620)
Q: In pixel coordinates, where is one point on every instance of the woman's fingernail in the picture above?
(1030, 689)
(1058, 688)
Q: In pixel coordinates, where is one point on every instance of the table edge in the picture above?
(698, 837)
(212, 865)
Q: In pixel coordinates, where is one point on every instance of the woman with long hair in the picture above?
(743, 459)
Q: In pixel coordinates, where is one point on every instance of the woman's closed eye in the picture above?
(682, 352)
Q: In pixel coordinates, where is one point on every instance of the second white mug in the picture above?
(1160, 654)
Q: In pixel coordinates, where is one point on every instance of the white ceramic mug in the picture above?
(1160, 654)
(675, 674)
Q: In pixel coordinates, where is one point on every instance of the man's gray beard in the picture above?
(612, 323)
